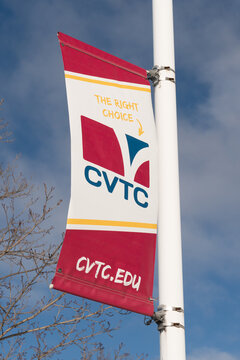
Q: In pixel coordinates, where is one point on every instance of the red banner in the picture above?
(109, 246)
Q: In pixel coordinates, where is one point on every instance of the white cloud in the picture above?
(210, 354)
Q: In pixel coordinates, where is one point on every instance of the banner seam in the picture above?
(64, 43)
(103, 288)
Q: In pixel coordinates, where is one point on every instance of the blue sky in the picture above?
(207, 70)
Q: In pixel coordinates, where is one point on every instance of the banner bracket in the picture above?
(158, 73)
(163, 320)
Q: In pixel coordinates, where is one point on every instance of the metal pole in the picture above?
(170, 313)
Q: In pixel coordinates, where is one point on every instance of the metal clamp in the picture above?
(159, 317)
(156, 75)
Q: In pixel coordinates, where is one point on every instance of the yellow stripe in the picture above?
(111, 223)
(101, 82)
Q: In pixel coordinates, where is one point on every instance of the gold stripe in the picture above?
(111, 223)
(101, 82)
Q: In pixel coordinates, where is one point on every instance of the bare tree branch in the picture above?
(36, 323)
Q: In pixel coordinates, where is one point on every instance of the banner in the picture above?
(109, 247)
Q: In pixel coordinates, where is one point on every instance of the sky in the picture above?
(207, 72)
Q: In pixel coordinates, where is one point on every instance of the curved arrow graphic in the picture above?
(140, 130)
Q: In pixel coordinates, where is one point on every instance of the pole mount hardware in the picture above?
(163, 317)
(159, 73)
(153, 75)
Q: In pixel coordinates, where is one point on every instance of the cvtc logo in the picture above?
(101, 147)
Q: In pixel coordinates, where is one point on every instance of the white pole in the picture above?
(172, 337)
